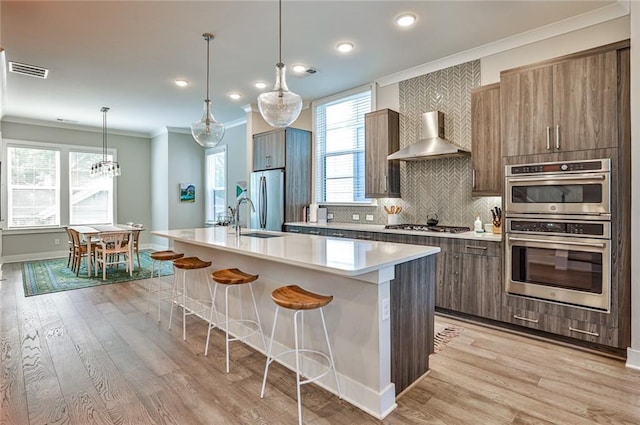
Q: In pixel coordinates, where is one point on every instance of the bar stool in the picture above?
(182, 266)
(158, 258)
(295, 298)
(234, 278)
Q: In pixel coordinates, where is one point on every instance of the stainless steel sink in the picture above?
(260, 235)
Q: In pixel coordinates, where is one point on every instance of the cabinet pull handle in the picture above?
(484, 248)
(557, 137)
(337, 234)
(473, 178)
(582, 331)
(548, 138)
(314, 232)
(386, 184)
(364, 237)
(294, 230)
(526, 319)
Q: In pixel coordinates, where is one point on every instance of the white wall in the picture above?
(185, 165)
(586, 38)
(159, 184)
(388, 97)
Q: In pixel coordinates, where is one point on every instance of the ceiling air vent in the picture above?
(28, 70)
(307, 72)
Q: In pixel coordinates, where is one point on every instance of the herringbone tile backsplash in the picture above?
(440, 186)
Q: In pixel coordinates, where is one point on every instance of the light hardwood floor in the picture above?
(92, 356)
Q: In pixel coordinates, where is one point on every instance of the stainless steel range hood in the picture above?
(432, 145)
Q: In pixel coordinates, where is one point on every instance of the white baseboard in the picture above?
(633, 358)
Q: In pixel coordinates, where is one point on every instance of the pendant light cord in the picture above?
(280, 31)
(104, 133)
(208, 37)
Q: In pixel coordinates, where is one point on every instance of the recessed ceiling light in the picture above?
(260, 84)
(299, 68)
(234, 96)
(344, 47)
(406, 19)
(181, 83)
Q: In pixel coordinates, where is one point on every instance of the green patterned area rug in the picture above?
(46, 276)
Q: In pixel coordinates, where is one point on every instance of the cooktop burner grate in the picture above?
(425, 228)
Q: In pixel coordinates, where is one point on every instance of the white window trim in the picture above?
(64, 181)
(314, 105)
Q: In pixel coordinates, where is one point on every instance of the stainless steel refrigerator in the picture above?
(266, 190)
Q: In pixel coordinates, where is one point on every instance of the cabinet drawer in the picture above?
(576, 329)
(471, 246)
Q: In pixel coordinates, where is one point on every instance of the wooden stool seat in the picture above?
(295, 298)
(191, 263)
(165, 255)
(233, 277)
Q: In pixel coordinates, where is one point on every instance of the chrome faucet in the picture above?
(240, 201)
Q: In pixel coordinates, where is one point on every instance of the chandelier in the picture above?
(280, 107)
(106, 168)
(207, 131)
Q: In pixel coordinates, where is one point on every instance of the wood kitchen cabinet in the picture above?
(382, 138)
(485, 141)
(469, 277)
(288, 148)
(269, 150)
(562, 105)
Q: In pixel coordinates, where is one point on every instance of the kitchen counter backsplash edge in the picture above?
(493, 237)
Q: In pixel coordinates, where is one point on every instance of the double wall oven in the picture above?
(558, 232)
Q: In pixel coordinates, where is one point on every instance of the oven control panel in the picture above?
(559, 167)
(577, 228)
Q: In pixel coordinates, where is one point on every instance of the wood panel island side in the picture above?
(380, 321)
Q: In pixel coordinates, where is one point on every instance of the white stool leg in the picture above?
(269, 359)
(153, 263)
(255, 309)
(184, 305)
(333, 365)
(173, 292)
(226, 314)
(158, 287)
(213, 308)
(297, 353)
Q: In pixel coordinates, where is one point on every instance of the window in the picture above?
(91, 198)
(51, 187)
(339, 130)
(216, 183)
(33, 190)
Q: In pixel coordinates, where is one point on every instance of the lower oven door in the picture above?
(569, 270)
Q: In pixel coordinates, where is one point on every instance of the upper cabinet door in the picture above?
(382, 137)
(526, 111)
(486, 154)
(269, 150)
(585, 99)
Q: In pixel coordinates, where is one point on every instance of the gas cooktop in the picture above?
(425, 228)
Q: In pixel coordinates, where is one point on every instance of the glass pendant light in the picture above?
(280, 107)
(105, 167)
(207, 131)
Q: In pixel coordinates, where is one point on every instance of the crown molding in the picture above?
(70, 126)
(594, 17)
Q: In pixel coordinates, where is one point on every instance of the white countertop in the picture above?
(347, 257)
(493, 237)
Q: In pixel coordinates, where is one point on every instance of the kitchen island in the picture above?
(380, 321)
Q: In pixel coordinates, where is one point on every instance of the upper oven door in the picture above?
(558, 194)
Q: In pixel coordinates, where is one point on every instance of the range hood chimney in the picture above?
(432, 145)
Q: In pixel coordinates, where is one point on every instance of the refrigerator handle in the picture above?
(263, 202)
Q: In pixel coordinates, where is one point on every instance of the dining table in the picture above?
(88, 231)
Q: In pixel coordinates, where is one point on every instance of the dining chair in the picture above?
(79, 250)
(72, 251)
(135, 236)
(113, 249)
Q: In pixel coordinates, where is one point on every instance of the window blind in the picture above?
(90, 198)
(339, 130)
